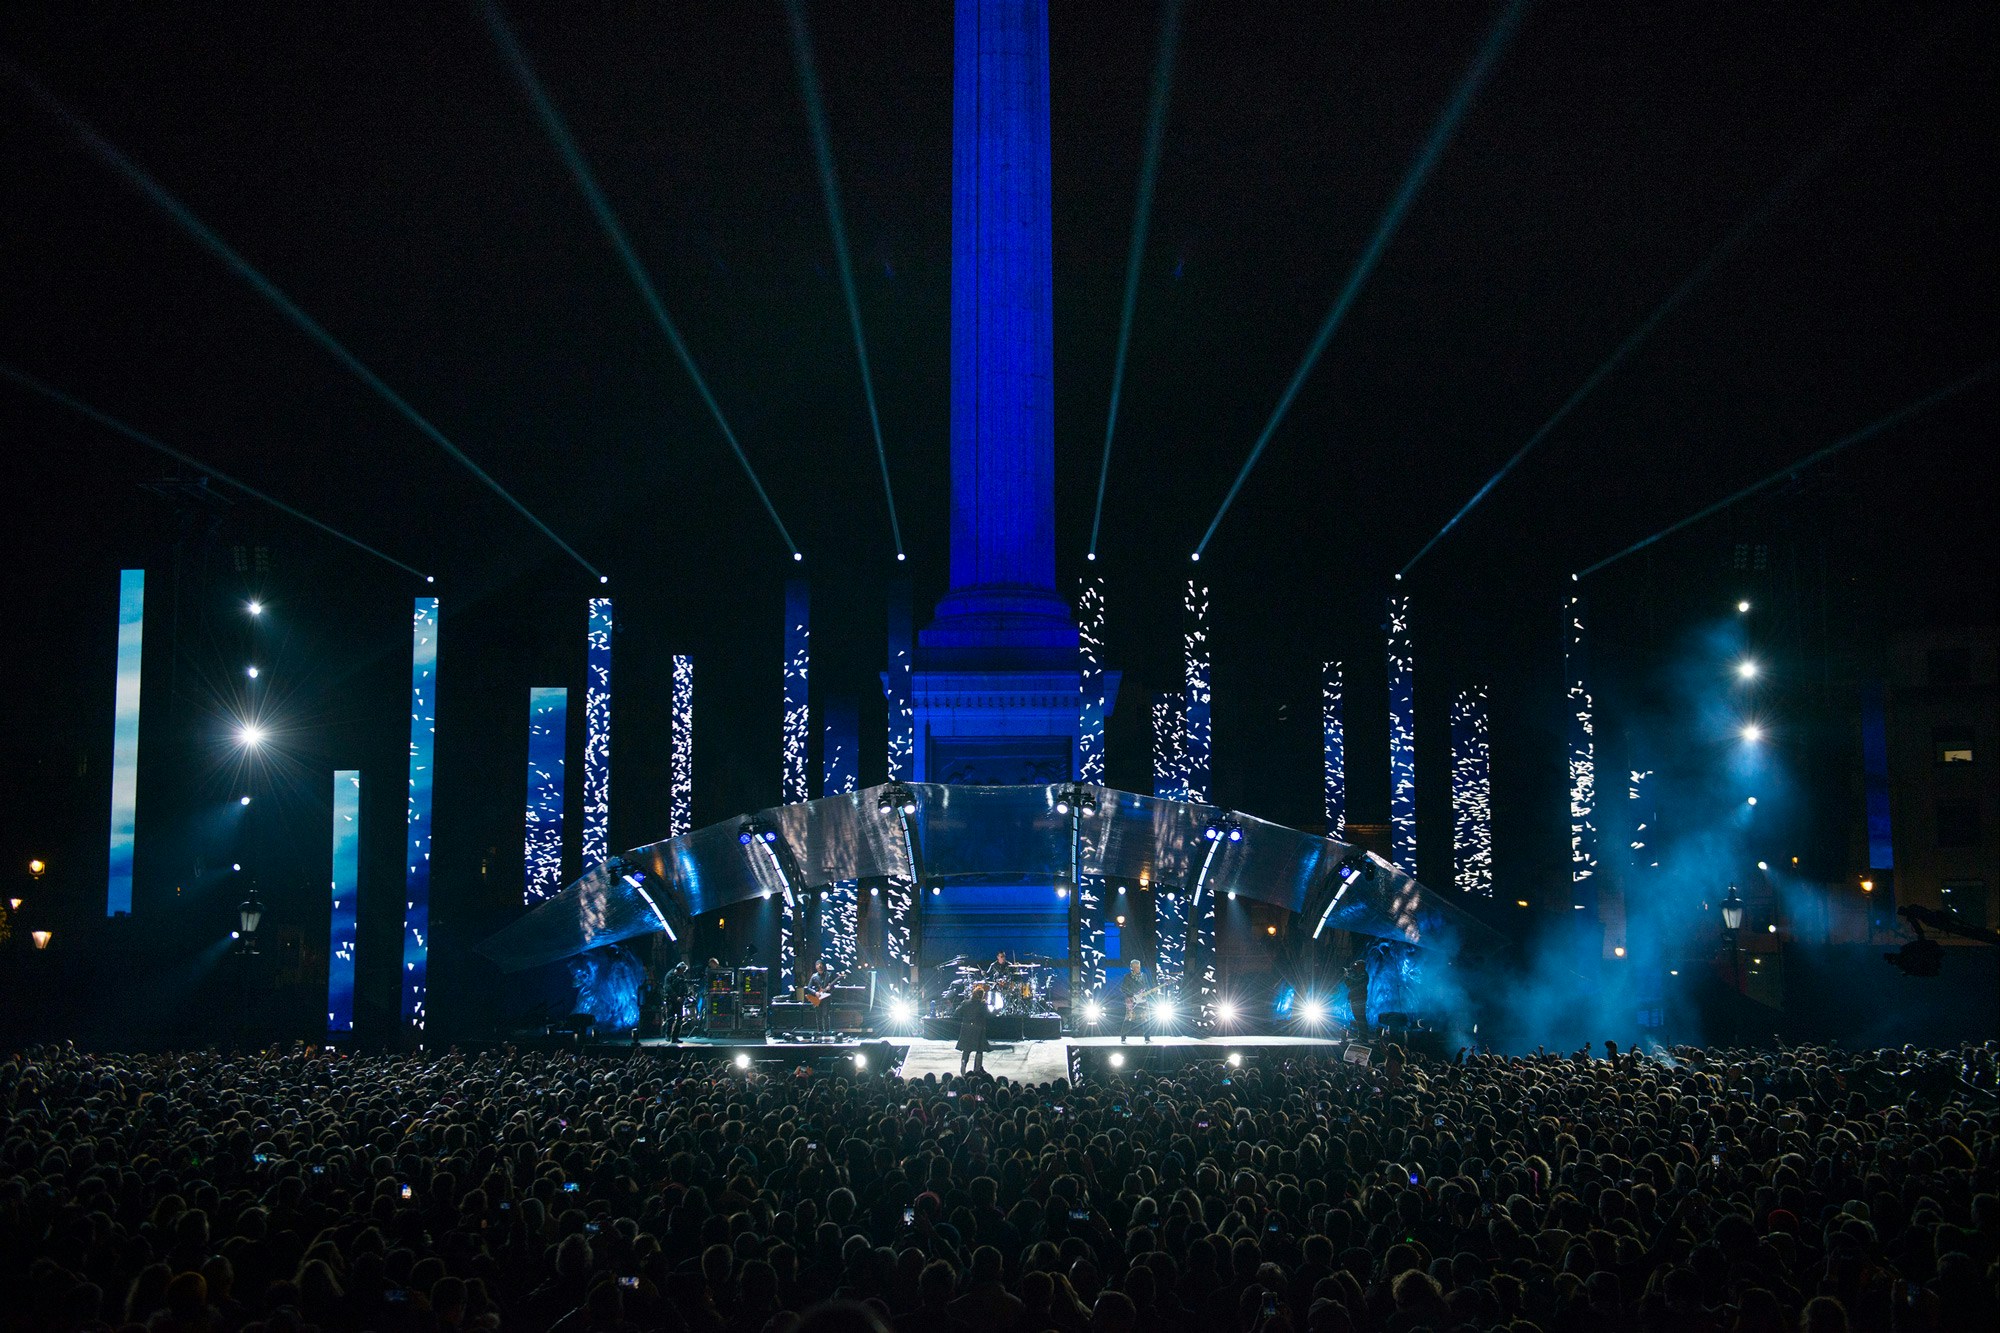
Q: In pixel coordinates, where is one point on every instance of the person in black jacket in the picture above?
(972, 1016)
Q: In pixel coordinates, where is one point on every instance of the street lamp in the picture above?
(1732, 921)
(248, 916)
(37, 866)
(41, 937)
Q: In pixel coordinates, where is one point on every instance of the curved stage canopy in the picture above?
(967, 834)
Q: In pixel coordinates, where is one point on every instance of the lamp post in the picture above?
(248, 916)
(1732, 922)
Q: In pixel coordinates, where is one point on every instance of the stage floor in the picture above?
(1023, 1061)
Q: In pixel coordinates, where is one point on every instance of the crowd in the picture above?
(1685, 1191)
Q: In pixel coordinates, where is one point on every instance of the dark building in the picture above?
(1943, 715)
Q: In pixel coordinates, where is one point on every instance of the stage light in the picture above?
(1270, 930)
(874, 891)
(900, 557)
(41, 937)
(935, 890)
(1121, 889)
(1093, 1012)
(1868, 886)
(1062, 890)
(430, 578)
(1195, 556)
(1225, 1011)
(255, 608)
(1747, 670)
(1232, 895)
(37, 866)
(798, 555)
(1673, 971)
(236, 866)
(1771, 929)
(1062, 805)
(860, 1062)
(744, 837)
(1091, 555)
(250, 734)
(244, 800)
(1235, 834)
(1763, 865)
(604, 578)
(1618, 951)
(743, 1059)
(1163, 1011)
(902, 1011)
(251, 672)
(1750, 800)
(1752, 732)
(1312, 1012)
(1520, 902)
(1743, 608)
(1235, 1060)
(1117, 1060)
(896, 797)
(1121, 920)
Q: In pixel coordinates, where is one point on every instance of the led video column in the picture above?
(680, 793)
(1471, 793)
(597, 737)
(1087, 907)
(417, 867)
(793, 784)
(1197, 687)
(1402, 739)
(125, 740)
(1582, 760)
(840, 775)
(1333, 749)
(548, 741)
(1170, 781)
(899, 894)
(343, 926)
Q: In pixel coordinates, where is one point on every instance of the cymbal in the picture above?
(961, 961)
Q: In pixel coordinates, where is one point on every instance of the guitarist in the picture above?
(1132, 991)
(818, 988)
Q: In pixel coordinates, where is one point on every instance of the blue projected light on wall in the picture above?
(1472, 793)
(417, 866)
(899, 895)
(597, 737)
(542, 845)
(1170, 758)
(1087, 911)
(1333, 750)
(1402, 738)
(343, 926)
(840, 775)
(125, 740)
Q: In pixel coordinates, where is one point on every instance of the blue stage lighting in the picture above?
(250, 734)
(251, 672)
(1747, 669)
(244, 801)
(1752, 732)
(255, 608)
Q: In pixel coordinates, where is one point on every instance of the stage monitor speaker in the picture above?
(846, 1017)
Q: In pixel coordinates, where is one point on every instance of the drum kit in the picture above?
(1020, 987)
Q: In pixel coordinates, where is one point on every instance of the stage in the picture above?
(1021, 1061)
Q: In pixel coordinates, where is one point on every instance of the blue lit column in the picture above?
(1581, 739)
(542, 842)
(1087, 905)
(840, 775)
(342, 926)
(794, 786)
(597, 738)
(1402, 738)
(125, 740)
(899, 894)
(1471, 793)
(1333, 749)
(1197, 688)
(1170, 778)
(680, 794)
(417, 866)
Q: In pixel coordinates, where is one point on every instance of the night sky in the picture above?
(380, 165)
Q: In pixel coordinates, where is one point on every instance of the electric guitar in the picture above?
(816, 996)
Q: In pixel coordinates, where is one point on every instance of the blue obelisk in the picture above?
(997, 668)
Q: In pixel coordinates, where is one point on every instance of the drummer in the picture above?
(1002, 968)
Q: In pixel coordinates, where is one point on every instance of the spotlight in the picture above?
(1225, 1011)
(1091, 555)
(1752, 732)
(243, 801)
(1093, 1012)
(1747, 670)
(935, 891)
(1163, 1011)
(1270, 930)
(1121, 890)
(251, 672)
(1117, 1060)
(250, 734)
(860, 1062)
(1232, 895)
(1062, 805)
(1673, 971)
(1235, 1060)
(1312, 1012)
(1743, 608)
(604, 578)
(430, 578)
(1618, 952)
(1195, 556)
(1763, 865)
(1868, 886)
(902, 1011)
(896, 797)
(1750, 800)
(1520, 902)
(255, 608)
(1771, 929)
(798, 555)
(1121, 919)
(1062, 890)
(743, 1059)
(874, 891)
